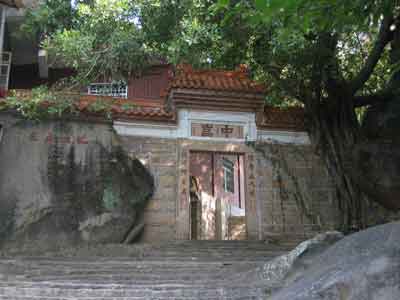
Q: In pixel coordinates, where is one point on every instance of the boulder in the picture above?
(364, 265)
(299, 258)
(64, 183)
(282, 270)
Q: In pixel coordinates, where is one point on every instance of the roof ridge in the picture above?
(241, 71)
(215, 79)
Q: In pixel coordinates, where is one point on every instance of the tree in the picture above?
(333, 58)
(107, 37)
(99, 39)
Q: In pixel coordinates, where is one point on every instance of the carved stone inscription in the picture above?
(217, 130)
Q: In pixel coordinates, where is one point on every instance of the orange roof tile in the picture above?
(138, 109)
(272, 118)
(218, 80)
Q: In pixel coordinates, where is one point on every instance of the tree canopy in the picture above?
(101, 38)
(299, 44)
(278, 39)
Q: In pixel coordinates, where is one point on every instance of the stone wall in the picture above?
(160, 157)
(55, 184)
(296, 195)
(167, 213)
(273, 174)
(289, 194)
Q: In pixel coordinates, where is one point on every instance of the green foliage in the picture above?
(101, 106)
(184, 31)
(41, 103)
(127, 106)
(114, 39)
(290, 42)
(50, 16)
(100, 40)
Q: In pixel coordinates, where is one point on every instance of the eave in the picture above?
(216, 100)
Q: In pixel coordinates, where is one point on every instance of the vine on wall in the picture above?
(275, 153)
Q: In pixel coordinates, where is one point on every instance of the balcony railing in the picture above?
(115, 89)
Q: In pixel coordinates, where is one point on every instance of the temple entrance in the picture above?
(217, 196)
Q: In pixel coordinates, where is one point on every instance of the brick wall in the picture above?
(290, 195)
(167, 213)
(296, 195)
(161, 158)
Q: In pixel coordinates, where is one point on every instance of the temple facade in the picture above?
(225, 165)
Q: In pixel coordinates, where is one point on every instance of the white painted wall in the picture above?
(185, 119)
(187, 116)
(146, 129)
(285, 137)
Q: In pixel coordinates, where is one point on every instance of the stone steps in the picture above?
(178, 270)
(140, 292)
(173, 292)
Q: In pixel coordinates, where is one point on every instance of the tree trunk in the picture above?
(334, 131)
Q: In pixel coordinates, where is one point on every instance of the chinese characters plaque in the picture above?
(217, 130)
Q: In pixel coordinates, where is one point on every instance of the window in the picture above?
(5, 65)
(229, 175)
(115, 89)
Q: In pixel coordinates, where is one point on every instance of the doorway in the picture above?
(217, 196)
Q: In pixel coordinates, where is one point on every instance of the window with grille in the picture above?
(229, 175)
(115, 89)
(5, 65)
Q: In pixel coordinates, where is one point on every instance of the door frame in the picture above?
(183, 201)
(214, 193)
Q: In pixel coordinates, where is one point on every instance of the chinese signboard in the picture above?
(217, 130)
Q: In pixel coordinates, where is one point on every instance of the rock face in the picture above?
(286, 268)
(290, 264)
(364, 265)
(64, 183)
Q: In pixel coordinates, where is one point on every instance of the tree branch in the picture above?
(331, 76)
(384, 37)
(385, 95)
(360, 101)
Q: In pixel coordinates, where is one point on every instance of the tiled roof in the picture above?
(139, 109)
(210, 90)
(136, 110)
(291, 118)
(217, 80)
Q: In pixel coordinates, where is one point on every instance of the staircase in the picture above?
(183, 270)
